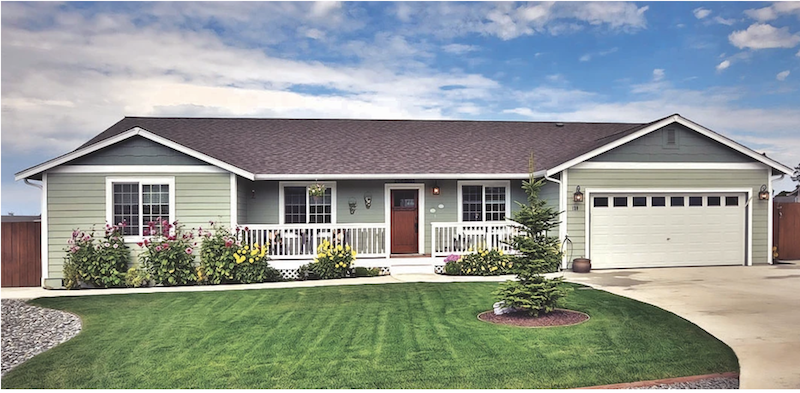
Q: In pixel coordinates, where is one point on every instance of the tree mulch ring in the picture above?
(558, 317)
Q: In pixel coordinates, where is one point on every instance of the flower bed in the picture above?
(483, 262)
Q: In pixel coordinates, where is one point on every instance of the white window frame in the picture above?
(281, 207)
(497, 183)
(170, 181)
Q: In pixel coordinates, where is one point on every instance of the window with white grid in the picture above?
(483, 201)
(138, 201)
(298, 207)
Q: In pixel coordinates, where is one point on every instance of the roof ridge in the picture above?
(368, 120)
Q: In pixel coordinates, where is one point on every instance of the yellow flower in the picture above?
(500, 251)
(469, 249)
(251, 260)
(339, 247)
(354, 253)
(246, 247)
(348, 247)
(255, 245)
(321, 255)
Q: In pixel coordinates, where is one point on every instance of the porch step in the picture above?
(418, 265)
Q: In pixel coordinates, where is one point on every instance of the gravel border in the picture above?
(29, 330)
(710, 383)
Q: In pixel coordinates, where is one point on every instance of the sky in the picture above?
(70, 70)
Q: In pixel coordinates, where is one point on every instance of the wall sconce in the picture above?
(763, 194)
(368, 200)
(252, 194)
(352, 203)
(436, 190)
(578, 195)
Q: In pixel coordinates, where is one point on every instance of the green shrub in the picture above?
(331, 261)
(367, 271)
(453, 268)
(168, 257)
(480, 263)
(99, 262)
(137, 278)
(223, 259)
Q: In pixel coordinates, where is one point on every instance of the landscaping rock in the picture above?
(711, 383)
(28, 331)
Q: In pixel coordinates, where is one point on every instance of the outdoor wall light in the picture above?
(578, 195)
(368, 200)
(763, 194)
(352, 203)
(252, 194)
(436, 190)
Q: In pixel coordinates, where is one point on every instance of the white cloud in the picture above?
(773, 11)
(589, 56)
(762, 36)
(782, 75)
(701, 12)
(459, 49)
(725, 64)
(312, 33)
(723, 21)
(658, 74)
(797, 54)
(555, 77)
(585, 57)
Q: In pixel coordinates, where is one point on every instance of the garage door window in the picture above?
(601, 202)
(659, 201)
(639, 201)
(731, 201)
(620, 201)
(676, 201)
(696, 201)
(713, 201)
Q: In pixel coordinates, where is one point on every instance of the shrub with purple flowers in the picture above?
(101, 262)
(168, 254)
(224, 259)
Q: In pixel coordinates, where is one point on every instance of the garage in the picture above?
(669, 229)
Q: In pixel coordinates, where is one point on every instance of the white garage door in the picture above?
(654, 230)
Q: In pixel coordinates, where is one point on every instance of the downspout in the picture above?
(561, 227)
(39, 186)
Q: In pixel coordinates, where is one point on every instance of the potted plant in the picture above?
(316, 191)
(581, 265)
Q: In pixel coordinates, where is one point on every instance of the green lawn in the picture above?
(420, 335)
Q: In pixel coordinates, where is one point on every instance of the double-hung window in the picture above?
(135, 202)
(483, 201)
(297, 207)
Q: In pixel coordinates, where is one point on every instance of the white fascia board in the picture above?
(121, 137)
(671, 165)
(137, 169)
(397, 176)
(663, 123)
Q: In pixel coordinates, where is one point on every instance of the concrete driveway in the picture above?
(753, 309)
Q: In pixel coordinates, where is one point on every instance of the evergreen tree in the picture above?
(536, 254)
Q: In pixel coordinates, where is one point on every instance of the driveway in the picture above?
(753, 309)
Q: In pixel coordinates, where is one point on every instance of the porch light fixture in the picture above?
(763, 194)
(368, 200)
(352, 203)
(436, 190)
(578, 195)
(252, 194)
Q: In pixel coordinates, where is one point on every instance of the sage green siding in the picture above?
(677, 179)
(355, 189)
(691, 146)
(243, 187)
(137, 151)
(262, 202)
(78, 201)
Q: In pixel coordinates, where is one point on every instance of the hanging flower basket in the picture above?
(316, 190)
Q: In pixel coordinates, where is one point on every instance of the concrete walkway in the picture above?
(753, 309)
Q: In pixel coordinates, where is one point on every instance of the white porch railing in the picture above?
(458, 237)
(300, 241)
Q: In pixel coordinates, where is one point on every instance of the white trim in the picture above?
(44, 237)
(234, 201)
(397, 176)
(563, 191)
(142, 180)
(748, 198)
(387, 191)
(281, 207)
(663, 123)
(484, 184)
(671, 165)
(121, 137)
(770, 217)
(137, 169)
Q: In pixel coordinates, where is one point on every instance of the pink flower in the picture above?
(228, 243)
(188, 250)
(246, 229)
(140, 244)
(158, 248)
(165, 246)
(116, 245)
(106, 244)
(211, 222)
(70, 241)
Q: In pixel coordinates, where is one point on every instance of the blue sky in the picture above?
(70, 70)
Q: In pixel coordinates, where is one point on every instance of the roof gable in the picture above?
(137, 150)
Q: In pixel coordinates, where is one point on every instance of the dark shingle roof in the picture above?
(339, 146)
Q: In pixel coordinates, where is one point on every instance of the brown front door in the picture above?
(405, 223)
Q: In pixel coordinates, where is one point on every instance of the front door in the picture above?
(405, 222)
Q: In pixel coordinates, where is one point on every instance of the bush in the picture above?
(99, 262)
(168, 257)
(331, 262)
(367, 271)
(481, 263)
(223, 259)
(137, 278)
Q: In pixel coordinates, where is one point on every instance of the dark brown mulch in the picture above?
(559, 317)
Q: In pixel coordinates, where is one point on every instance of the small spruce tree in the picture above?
(537, 253)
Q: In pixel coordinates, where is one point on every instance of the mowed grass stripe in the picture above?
(415, 335)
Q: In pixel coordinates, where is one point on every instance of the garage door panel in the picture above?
(642, 236)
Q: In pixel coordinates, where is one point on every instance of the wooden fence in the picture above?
(21, 254)
(786, 230)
